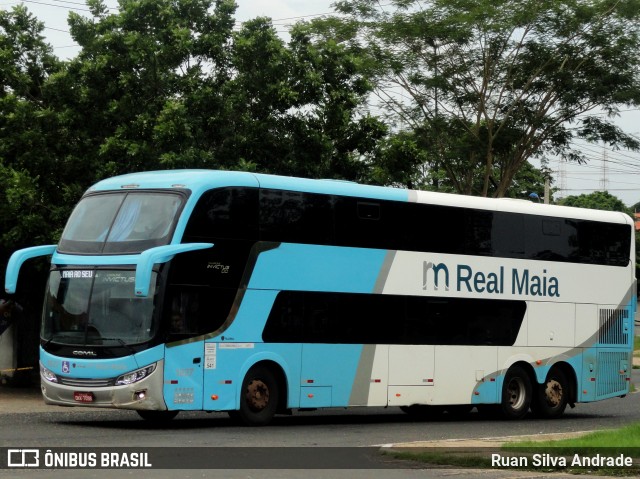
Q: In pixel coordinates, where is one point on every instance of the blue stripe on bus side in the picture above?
(306, 268)
(251, 317)
(299, 267)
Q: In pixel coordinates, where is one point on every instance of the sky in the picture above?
(616, 171)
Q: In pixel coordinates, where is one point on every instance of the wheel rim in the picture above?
(517, 393)
(257, 395)
(553, 393)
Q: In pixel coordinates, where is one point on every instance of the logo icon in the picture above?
(437, 269)
(66, 367)
(23, 458)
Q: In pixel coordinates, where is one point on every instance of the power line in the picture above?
(58, 6)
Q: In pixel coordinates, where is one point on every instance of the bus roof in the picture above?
(199, 181)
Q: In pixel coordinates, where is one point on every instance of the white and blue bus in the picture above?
(258, 294)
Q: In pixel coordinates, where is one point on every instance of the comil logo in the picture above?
(437, 271)
(23, 458)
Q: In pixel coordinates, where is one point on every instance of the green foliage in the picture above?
(599, 200)
(487, 85)
(167, 84)
(405, 160)
(30, 203)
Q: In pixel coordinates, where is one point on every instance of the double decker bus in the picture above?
(258, 295)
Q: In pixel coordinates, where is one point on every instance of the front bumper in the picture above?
(146, 394)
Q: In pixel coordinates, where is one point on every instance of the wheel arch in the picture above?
(280, 370)
(524, 365)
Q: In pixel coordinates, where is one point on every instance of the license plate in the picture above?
(83, 397)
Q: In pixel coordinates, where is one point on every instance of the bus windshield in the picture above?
(97, 307)
(122, 222)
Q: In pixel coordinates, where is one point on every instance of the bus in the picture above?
(201, 290)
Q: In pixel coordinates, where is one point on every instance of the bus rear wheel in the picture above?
(552, 396)
(516, 393)
(259, 397)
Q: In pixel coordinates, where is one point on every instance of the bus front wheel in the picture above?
(551, 396)
(516, 393)
(259, 397)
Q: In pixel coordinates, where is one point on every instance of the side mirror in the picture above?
(16, 261)
(159, 254)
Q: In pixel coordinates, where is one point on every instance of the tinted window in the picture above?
(508, 235)
(225, 213)
(195, 310)
(288, 216)
(315, 317)
(601, 243)
(295, 217)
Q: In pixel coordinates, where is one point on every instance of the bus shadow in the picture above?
(187, 420)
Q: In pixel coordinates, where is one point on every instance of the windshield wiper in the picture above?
(122, 343)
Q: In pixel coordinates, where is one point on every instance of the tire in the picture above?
(259, 397)
(157, 416)
(516, 393)
(552, 396)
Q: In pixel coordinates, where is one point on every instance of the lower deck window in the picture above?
(314, 317)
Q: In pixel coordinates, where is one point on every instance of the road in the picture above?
(76, 427)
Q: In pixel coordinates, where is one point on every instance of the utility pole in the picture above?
(547, 189)
(605, 170)
(546, 172)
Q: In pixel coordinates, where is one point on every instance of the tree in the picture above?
(489, 84)
(598, 200)
(136, 88)
(403, 160)
(33, 196)
(172, 84)
(30, 139)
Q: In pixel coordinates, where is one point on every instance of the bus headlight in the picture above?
(135, 376)
(48, 375)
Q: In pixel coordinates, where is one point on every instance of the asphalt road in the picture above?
(74, 427)
(55, 427)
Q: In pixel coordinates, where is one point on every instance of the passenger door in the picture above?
(183, 375)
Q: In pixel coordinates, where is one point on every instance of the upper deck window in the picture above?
(123, 222)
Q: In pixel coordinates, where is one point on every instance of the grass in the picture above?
(626, 437)
(626, 441)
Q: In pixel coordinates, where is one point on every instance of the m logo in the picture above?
(437, 269)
